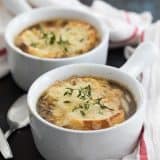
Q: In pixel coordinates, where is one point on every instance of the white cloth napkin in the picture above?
(151, 77)
(5, 17)
(125, 28)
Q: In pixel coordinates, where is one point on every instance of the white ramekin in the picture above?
(25, 68)
(59, 143)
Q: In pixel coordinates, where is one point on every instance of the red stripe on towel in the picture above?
(133, 35)
(3, 52)
(142, 148)
(127, 17)
(142, 36)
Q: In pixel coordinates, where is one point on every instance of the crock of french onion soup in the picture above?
(86, 103)
(58, 38)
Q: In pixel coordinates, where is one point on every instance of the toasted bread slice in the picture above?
(95, 124)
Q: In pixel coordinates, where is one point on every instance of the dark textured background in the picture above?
(21, 142)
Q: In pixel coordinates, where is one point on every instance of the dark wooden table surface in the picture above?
(21, 141)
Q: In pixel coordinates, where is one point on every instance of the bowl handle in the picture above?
(17, 6)
(142, 57)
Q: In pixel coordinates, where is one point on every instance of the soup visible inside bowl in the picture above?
(86, 103)
(58, 38)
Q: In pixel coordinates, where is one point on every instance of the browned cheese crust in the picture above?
(58, 38)
(84, 103)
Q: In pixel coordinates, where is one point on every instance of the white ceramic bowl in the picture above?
(59, 143)
(26, 68)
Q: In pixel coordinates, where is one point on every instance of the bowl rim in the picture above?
(139, 106)
(102, 28)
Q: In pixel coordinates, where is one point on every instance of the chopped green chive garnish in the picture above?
(69, 91)
(82, 113)
(81, 40)
(84, 93)
(33, 44)
(67, 101)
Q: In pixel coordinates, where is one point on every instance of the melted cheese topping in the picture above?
(84, 103)
(58, 38)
